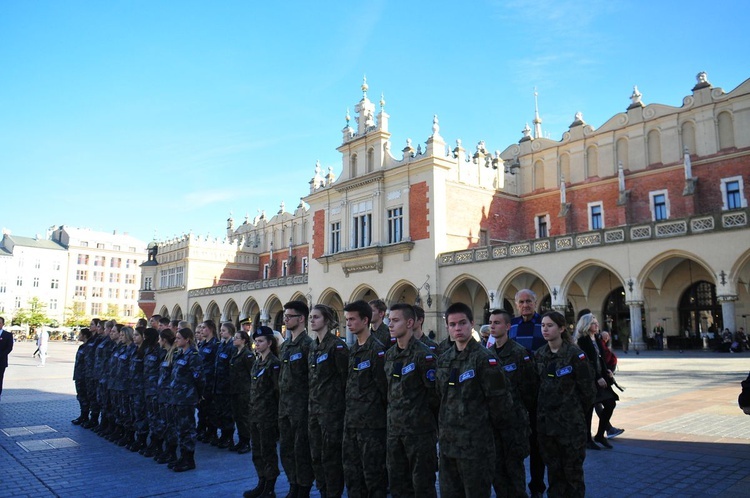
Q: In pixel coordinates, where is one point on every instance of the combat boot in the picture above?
(172, 457)
(127, 437)
(84, 417)
(138, 443)
(115, 435)
(170, 453)
(153, 448)
(269, 490)
(244, 446)
(227, 440)
(187, 462)
(257, 490)
(93, 422)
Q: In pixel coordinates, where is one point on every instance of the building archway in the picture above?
(177, 312)
(699, 311)
(213, 313)
(196, 316)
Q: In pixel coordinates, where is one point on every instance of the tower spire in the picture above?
(537, 119)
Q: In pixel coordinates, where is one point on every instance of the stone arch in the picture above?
(364, 292)
(231, 313)
(250, 308)
(196, 316)
(523, 278)
(213, 312)
(725, 128)
(298, 296)
(402, 291)
(164, 312)
(177, 312)
(331, 298)
(653, 142)
(585, 284)
(740, 272)
(469, 290)
(563, 169)
(353, 166)
(592, 161)
(663, 259)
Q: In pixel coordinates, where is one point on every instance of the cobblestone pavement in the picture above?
(684, 436)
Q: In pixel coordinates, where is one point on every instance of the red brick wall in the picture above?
(319, 233)
(419, 212)
(708, 191)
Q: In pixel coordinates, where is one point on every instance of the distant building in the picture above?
(643, 220)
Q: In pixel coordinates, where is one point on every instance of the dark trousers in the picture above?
(185, 427)
(295, 449)
(536, 463)
(326, 436)
(364, 463)
(2, 375)
(412, 460)
(564, 458)
(466, 477)
(263, 436)
(81, 394)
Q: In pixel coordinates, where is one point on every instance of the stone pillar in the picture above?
(636, 329)
(349, 336)
(727, 312)
(265, 319)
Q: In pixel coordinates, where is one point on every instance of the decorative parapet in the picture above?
(249, 286)
(636, 233)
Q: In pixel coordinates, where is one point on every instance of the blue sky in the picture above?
(155, 117)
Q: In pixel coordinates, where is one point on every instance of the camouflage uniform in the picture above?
(365, 421)
(425, 339)
(413, 405)
(264, 412)
(139, 420)
(151, 360)
(102, 359)
(328, 364)
(475, 398)
(240, 375)
(383, 334)
(91, 374)
(512, 440)
(186, 384)
(294, 393)
(165, 427)
(566, 390)
(79, 376)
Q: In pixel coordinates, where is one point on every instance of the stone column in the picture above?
(636, 329)
(727, 312)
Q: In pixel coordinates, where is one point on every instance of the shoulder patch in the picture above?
(430, 375)
(381, 353)
(429, 357)
(492, 361)
(582, 356)
(469, 374)
(564, 371)
(527, 358)
(339, 346)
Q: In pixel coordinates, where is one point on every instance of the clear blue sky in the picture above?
(162, 117)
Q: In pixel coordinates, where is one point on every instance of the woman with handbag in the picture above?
(588, 340)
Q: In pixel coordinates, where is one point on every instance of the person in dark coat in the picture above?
(153, 355)
(264, 413)
(590, 342)
(79, 376)
(222, 397)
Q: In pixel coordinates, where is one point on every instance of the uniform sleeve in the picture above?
(275, 370)
(585, 380)
(428, 369)
(199, 377)
(380, 379)
(495, 387)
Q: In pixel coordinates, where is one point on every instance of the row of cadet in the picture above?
(368, 417)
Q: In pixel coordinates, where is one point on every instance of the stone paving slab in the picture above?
(672, 410)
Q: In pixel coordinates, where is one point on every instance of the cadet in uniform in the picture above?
(187, 382)
(474, 396)
(566, 390)
(206, 406)
(512, 440)
(377, 327)
(137, 399)
(417, 330)
(240, 377)
(152, 358)
(365, 419)
(328, 363)
(264, 413)
(222, 399)
(91, 374)
(413, 405)
(293, 399)
(165, 428)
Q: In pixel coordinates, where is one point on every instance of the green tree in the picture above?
(34, 315)
(112, 313)
(76, 315)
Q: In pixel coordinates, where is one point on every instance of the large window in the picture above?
(99, 260)
(83, 259)
(35, 282)
(115, 262)
(362, 230)
(596, 216)
(96, 308)
(55, 283)
(98, 276)
(147, 283)
(80, 291)
(659, 205)
(395, 225)
(82, 275)
(304, 265)
(335, 242)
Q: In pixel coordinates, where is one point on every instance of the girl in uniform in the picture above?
(165, 427)
(153, 354)
(222, 397)
(566, 391)
(264, 413)
(240, 376)
(79, 377)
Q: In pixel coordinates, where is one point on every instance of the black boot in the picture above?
(115, 435)
(269, 491)
(257, 490)
(105, 427)
(169, 454)
(172, 457)
(152, 448)
(138, 443)
(83, 418)
(293, 491)
(303, 491)
(93, 422)
(187, 462)
(126, 439)
(227, 440)
(244, 446)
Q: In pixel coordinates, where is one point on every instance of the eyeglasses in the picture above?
(289, 317)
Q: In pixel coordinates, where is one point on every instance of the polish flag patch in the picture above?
(493, 361)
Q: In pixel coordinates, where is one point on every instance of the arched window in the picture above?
(538, 175)
(370, 160)
(654, 147)
(688, 137)
(592, 161)
(726, 131)
(564, 169)
(622, 155)
(353, 166)
(699, 309)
